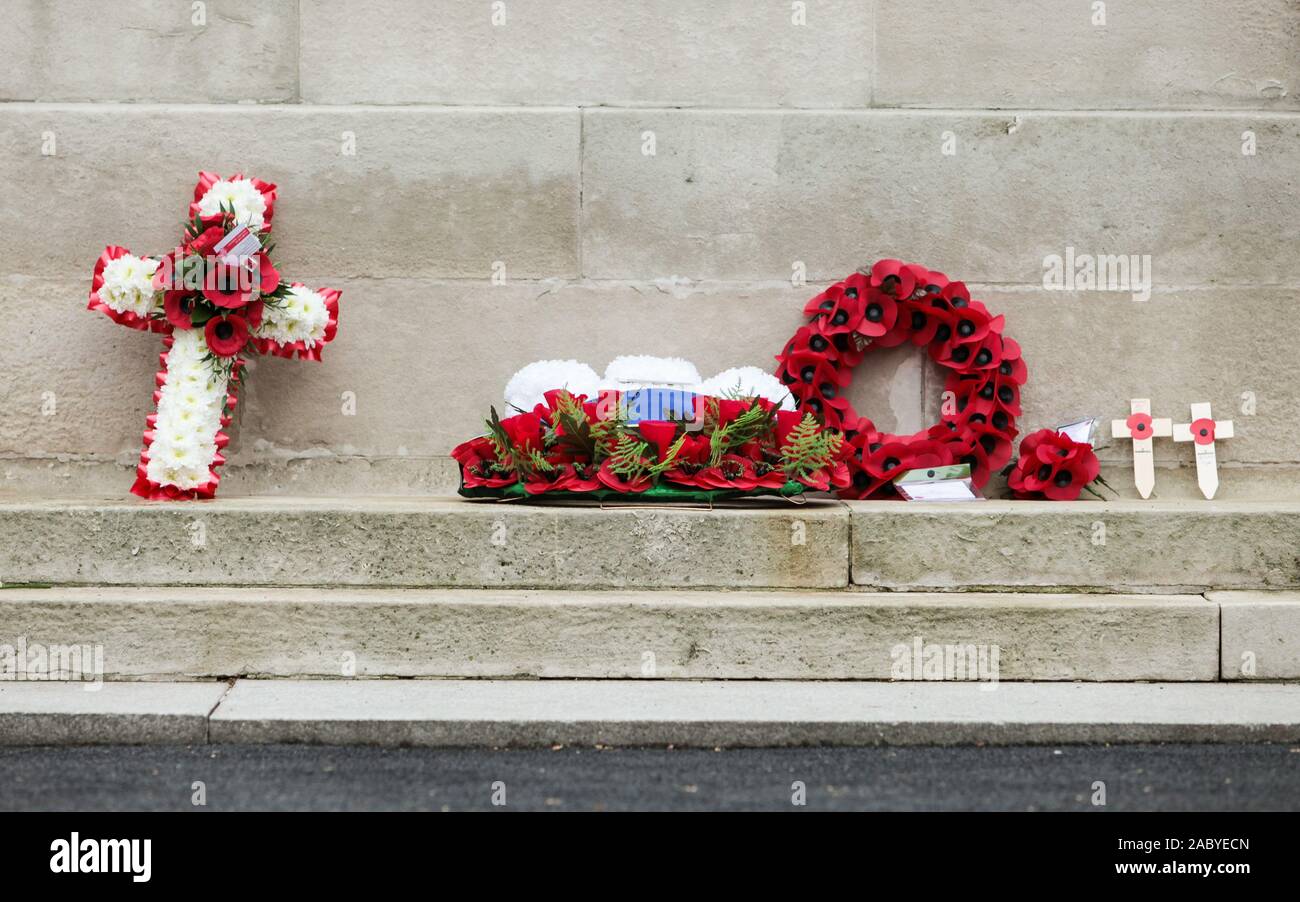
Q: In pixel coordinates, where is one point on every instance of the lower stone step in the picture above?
(205, 632)
(471, 713)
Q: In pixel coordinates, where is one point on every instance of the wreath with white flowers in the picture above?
(890, 304)
(570, 434)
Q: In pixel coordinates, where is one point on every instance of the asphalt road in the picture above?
(1151, 777)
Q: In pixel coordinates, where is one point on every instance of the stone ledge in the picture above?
(1118, 546)
(202, 633)
(422, 542)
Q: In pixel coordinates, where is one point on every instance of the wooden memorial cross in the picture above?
(1142, 429)
(1203, 430)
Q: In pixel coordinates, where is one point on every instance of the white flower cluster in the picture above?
(240, 195)
(641, 370)
(526, 387)
(128, 285)
(189, 415)
(748, 382)
(301, 316)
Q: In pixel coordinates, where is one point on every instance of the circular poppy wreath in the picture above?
(888, 305)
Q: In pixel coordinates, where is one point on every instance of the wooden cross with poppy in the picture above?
(1142, 429)
(215, 297)
(1203, 430)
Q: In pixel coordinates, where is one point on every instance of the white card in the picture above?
(940, 490)
(237, 246)
(1080, 430)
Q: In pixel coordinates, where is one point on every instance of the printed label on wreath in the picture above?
(237, 246)
(951, 483)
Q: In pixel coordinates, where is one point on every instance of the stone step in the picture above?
(64, 713)
(1154, 546)
(1260, 635)
(423, 542)
(207, 632)
(469, 713)
(1117, 546)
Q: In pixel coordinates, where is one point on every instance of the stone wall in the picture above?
(977, 138)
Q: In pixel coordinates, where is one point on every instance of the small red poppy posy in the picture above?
(214, 297)
(892, 304)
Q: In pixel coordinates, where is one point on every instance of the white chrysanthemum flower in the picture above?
(189, 416)
(527, 388)
(748, 382)
(128, 285)
(241, 195)
(301, 316)
(637, 371)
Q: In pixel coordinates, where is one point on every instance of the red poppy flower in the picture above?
(584, 477)
(928, 282)
(524, 431)
(1203, 431)
(886, 462)
(690, 460)
(179, 307)
(612, 480)
(786, 420)
(955, 295)
(1012, 369)
(729, 409)
(985, 449)
(482, 472)
(226, 335)
(924, 320)
(228, 286)
(971, 323)
(811, 374)
(768, 475)
(478, 448)
(268, 277)
(659, 434)
(894, 278)
(880, 318)
(254, 313)
(859, 433)
(556, 479)
(838, 309)
(1139, 425)
(732, 472)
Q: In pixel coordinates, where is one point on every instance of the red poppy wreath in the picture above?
(890, 305)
